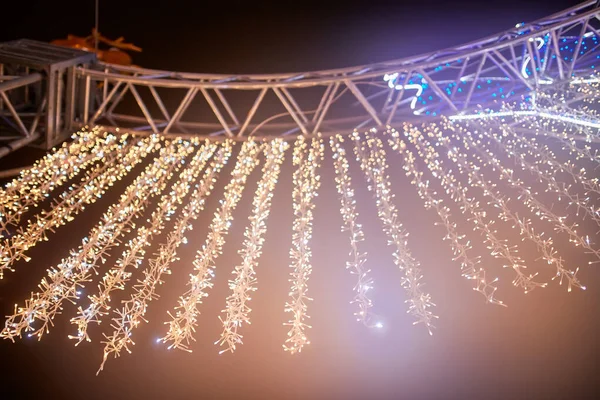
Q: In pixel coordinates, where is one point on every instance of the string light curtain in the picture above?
(488, 169)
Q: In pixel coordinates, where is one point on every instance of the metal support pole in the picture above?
(17, 144)
(189, 96)
(70, 99)
(51, 108)
(21, 81)
(290, 110)
(59, 99)
(326, 108)
(257, 102)
(142, 106)
(359, 96)
(86, 99)
(14, 113)
(9, 173)
(216, 111)
(559, 62)
(578, 47)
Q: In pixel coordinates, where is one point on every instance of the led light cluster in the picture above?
(185, 316)
(527, 195)
(132, 312)
(118, 276)
(459, 243)
(244, 282)
(552, 184)
(546, 158)
(71, 202)
(306, 182)
(573, 138)
(36, 183)
(371, 156)
(469, 205)
(497, 201)
(65, 280)
(356, 264)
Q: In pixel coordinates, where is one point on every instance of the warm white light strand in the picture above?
(371, 156)
(244, 282)
(581, 204)
(182, 325)
(546, 157)
(133, 310)
(118, 276)
(545, 246)
(37, 183)
(564, 133)
(468, 205)
(306, 182)
(356, 264)
(459, 243)
(53, 169)
(65, 280)
(529, 197)
(73, 201)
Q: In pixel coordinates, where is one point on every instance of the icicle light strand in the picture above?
(552, 184)
(129, 316)
(73, 201)
(244, 282)
(498, 247)
(526, 194)
(356, 264)
(306, 184)
(184, 318)
(371, 157)
(118, 276)
(52, 170)
(547, 159)
(524, 225)
(65, 281)
(36, 183)
(460, 245)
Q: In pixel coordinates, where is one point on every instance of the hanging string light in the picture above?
(525, 193)
(244, 281)
(306, 182)
(133, 310)
(42, 171)
(350, 216)
(74, 200)
(461, 246)
(35, 184)
(475, 178)
(118, 276)
(64, 282)
(552, 185)
(565, 134)
(468, 205)
(184, 318)
(371, 156)
(546, 158)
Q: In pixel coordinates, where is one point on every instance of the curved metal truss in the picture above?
(500, 67)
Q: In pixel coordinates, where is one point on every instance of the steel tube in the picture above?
(17, 144)
(21, 81)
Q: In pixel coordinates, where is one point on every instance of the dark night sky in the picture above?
(543, 346)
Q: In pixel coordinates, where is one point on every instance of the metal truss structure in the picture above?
(38, 93)
(499, 68)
